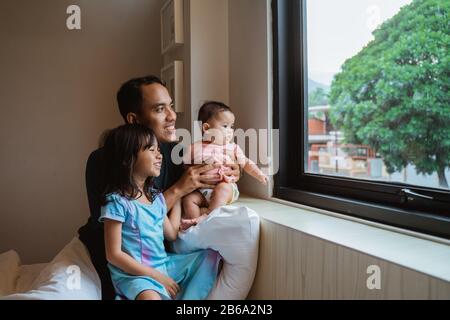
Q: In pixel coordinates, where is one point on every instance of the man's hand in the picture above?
(194, 178)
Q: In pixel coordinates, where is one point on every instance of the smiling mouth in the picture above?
(170, 128)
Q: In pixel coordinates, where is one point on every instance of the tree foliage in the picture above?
(393, 95)
(318, 97)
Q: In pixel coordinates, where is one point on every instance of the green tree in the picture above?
(393, 95)
(318, 97)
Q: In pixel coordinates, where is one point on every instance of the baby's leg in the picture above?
(221, 195)
(148, 295)
(191, 206)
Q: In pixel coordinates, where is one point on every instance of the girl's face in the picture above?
(148, 162)
(220, 128)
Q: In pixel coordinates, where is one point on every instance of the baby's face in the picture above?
(220, 128)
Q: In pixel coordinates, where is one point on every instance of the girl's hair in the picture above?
(121, 147)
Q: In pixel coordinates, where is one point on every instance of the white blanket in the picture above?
(233, 232)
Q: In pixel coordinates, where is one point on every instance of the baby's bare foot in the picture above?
(201, 218)
(187, 223)
(204, 211)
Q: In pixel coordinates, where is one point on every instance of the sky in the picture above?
(339, 29)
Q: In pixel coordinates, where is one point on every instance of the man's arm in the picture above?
(95, 182)
(92, 231)
(192, 179)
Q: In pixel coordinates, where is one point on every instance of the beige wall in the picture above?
(57, 94)
(250, 73)
(209, 57)
(205, 56)
(227, 57)
(183, 53)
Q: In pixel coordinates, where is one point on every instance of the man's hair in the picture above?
(209, 109)
(129, 96)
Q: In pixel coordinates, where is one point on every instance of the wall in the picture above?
(57, 94)
(183, 53)
(227, 57)
(250, 74)
(205, 56)
(209, 58)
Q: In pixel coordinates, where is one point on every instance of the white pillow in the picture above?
(233, 232)
(9, 271)
(69, 276)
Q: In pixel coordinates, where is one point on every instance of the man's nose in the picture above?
(171, 115)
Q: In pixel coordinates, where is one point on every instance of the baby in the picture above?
(217, 146)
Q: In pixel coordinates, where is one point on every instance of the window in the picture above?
(361, 90)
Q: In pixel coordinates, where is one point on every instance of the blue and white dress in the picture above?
(143, 240)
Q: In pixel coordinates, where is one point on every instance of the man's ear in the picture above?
(132, 118)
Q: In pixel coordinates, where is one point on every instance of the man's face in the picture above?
(157, 112)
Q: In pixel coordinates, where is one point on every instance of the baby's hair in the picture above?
(121, 147)
(210, 108)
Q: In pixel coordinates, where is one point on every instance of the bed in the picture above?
(233, 231)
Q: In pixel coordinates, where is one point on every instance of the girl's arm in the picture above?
(118, 258)
(172, 222)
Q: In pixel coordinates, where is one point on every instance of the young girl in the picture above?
(217, 146)
(136, 223)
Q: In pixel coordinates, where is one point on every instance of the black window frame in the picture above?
(387, 203)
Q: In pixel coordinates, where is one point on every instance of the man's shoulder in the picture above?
(167, 149)
(170, 172)
(167, 146)
(95, 158)
(96, 154)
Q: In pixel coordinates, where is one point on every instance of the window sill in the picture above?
(422, 253)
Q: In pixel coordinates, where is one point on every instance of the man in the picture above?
(145, 101)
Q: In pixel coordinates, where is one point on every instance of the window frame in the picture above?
(372, 200)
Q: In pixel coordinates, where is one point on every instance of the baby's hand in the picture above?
(264, 179)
